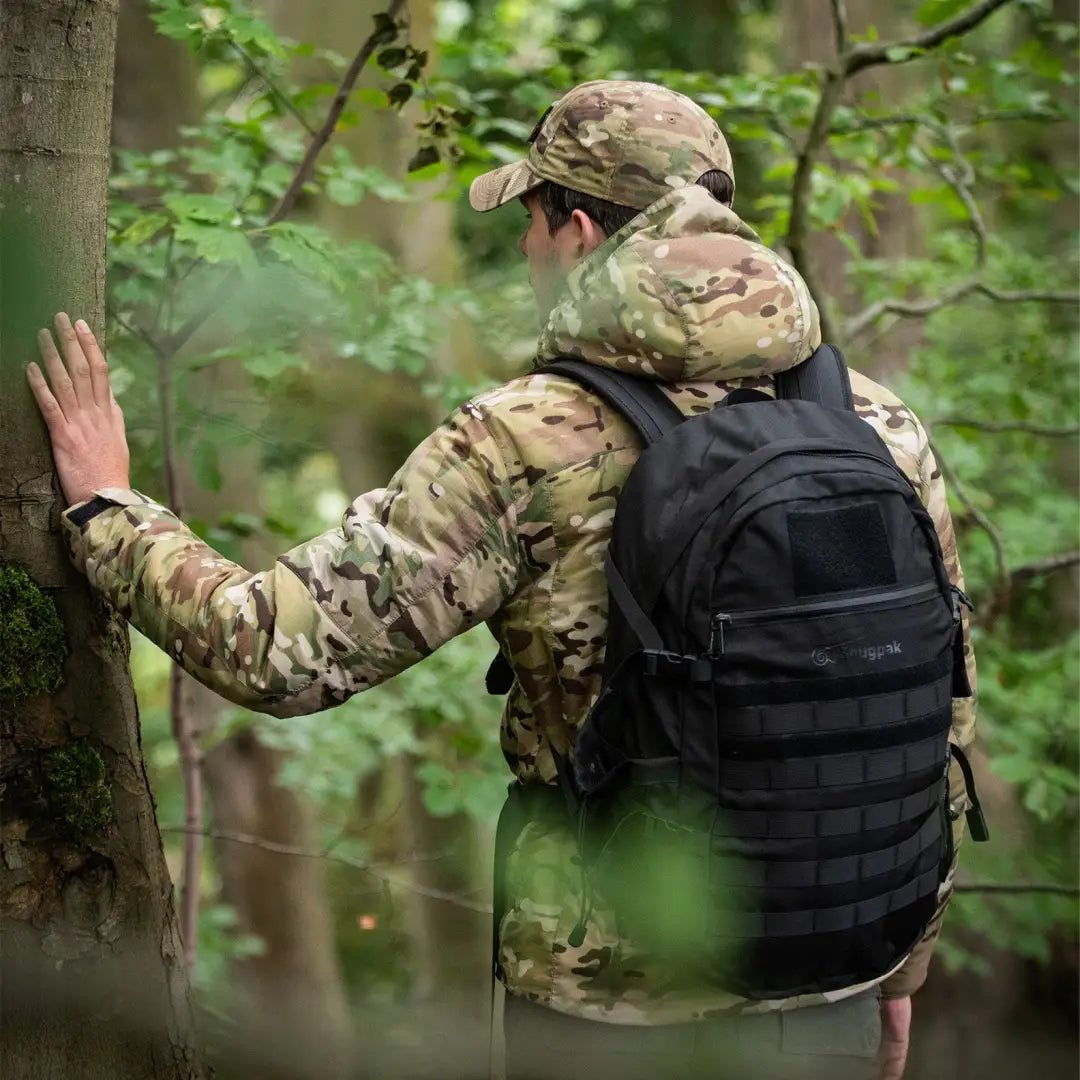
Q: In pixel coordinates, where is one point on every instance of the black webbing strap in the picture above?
(823, 378)
(644, 405)
(774, 924)
(821, 824)
(499, 679)
(638, 621)
(841, 870)
(833, 770)
(975, 820)
(880, 711)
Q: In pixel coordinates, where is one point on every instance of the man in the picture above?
(503, 515)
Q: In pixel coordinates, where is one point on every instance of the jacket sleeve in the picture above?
(411, 566)
(912, 973)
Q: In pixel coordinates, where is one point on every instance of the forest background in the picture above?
(297, 292)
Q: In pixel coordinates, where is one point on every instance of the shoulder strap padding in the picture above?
(823, 378)
(644, 405)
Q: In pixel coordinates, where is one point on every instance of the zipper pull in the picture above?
(716, 634)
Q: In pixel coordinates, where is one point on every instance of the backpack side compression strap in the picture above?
(644, 405)
(822, 377)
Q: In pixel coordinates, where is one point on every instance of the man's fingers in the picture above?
(77, 366)
(99, 370)
(62, 389)
(50, 409)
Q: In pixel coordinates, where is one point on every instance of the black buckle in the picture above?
(677, 666)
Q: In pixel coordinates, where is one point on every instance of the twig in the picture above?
(998, 426)
(1045, 566)
(187, 739)
(883, 123)
(276, 90)
(960, 177)
(300, 177)
(1018, 888)
(801, 191)
(980, 519)
(850, 61)
(1026, 296)
(378, 870)
(840, 25)
(868, 54)
(322, 136)
(921, 309)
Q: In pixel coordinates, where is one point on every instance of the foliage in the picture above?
(964, 155)
(32, 644)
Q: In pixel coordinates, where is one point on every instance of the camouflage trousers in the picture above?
(825, 1042)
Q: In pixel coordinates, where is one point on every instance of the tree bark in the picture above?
(93, 985)
(368, 414)
(808, 36)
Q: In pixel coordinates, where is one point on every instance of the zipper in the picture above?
(889, 598)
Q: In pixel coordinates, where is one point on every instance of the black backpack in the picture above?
(760, 790)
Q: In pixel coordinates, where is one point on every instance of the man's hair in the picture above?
(558, 203)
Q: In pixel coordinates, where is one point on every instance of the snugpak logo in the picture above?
(832, 654)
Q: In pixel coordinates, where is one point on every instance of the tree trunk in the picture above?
(808, 36)
(367, 413)
(93, 984)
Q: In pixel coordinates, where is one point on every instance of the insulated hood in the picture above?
(684, 292)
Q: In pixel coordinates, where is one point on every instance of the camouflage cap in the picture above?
(626, 142)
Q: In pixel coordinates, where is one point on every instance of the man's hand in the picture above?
(895, 1034)
(85, 423)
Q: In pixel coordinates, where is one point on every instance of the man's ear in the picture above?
(590, 235)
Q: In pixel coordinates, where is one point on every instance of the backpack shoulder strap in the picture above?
(644, 405)
(822, 377)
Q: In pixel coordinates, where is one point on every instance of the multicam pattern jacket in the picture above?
(503, 515)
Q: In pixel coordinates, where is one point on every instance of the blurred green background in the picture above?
(343, 889)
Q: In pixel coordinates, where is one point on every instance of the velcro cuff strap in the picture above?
(81, 514)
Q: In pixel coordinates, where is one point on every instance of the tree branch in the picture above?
(980, 519)
(998, 426)
(1026, 296)
(960, 177)
(337, 106)
(883, 123)
(375, 869)
(921, 309)
(1017, 888)
(1045, 566)
(272, 86)
(840, 25)
(867, 54)
(848, 63)
(300, 177)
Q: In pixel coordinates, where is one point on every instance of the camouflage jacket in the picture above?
(503, 514)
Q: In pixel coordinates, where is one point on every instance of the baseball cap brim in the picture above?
(502, 185)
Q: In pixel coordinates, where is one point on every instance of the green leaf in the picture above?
(897, 54)
(270, 363)
(217, 244)
(931, 12)
(141, 229)
(206, 208)
(309, 250)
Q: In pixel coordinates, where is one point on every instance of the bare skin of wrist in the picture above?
(86, 426)
(895, 1038)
